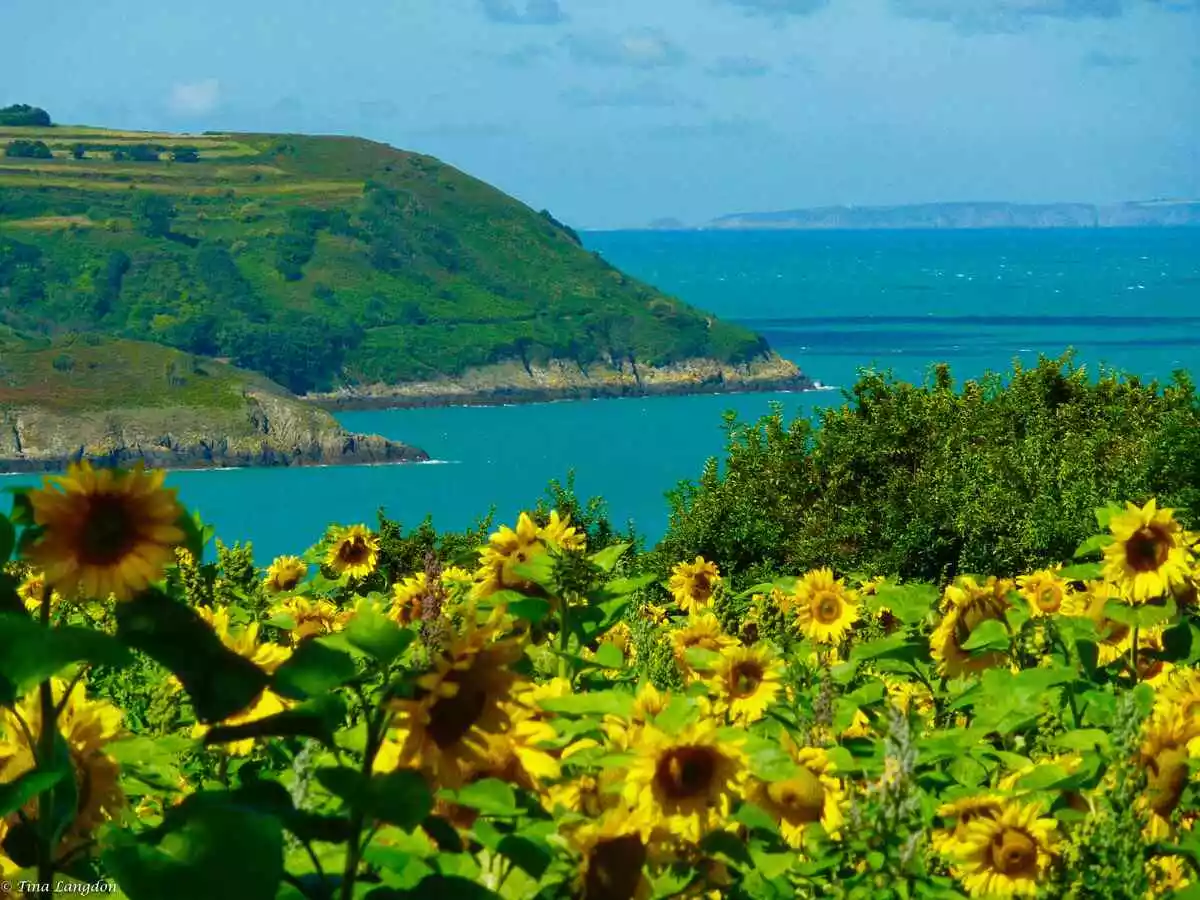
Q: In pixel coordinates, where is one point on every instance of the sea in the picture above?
(834, 302)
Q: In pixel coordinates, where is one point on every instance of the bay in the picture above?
(834, 302)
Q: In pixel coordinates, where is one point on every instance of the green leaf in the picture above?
(607, 558)
(443, 887)
(318, 718)
(701, 659)
(990, 634)
(30, 653)
(755, 818)
(209, 846)
(15, 794)
(376, 635)
(531, 609)
(539, 569)
(1093, 544)
(313, 670)
(910, 603)
(491, 797)
(271, 797)
(1083, 739)
(1081, 572)
(195, 534)
(894, 646)
(620, 587)
(1144, 616)
(22, 508)
(529, 856)
(1178, 641)
(401, 798)
(1104, 514)
(8, 539)
(968, 771)
(609, 656)
(219, 682)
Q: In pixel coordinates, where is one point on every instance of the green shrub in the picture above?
(928, 482)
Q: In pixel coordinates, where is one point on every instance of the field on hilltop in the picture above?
(318, 261)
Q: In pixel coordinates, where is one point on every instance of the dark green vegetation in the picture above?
(23, 115)
(316, 261)
(998, 477)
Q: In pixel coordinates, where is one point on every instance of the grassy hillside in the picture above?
(319, 261)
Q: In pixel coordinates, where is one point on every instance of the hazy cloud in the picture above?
(1006, 15)
(738, 67)
(195, 98)
(647, 93)
(522, 57)
(1101, 59)
(523, 12)
(784, 7)
(645, 48)
(719, 128)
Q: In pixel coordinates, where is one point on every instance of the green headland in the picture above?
(336, 270)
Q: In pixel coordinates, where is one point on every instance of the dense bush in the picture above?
(929, 482)
(24, 115)
(28, 150)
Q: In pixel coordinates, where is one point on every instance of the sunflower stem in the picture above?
(354, 850)
(45, 752)
(1133, 654)
(563, 638)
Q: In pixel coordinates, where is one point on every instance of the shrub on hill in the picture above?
(24, 115)
(28, 150)
(929, 482)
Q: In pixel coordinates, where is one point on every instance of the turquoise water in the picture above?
(833, 302)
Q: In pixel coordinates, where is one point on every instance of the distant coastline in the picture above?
(955, 216)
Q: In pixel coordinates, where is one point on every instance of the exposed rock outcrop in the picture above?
(515, 382)
(269, 430)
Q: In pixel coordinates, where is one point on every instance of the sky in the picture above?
(615, 113)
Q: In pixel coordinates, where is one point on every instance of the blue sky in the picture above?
(615, 112)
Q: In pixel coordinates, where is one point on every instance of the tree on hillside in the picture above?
(185, 155)
(28, 150)
(152, 214)
(23, 115)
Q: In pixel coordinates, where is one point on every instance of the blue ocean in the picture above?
(834, 302)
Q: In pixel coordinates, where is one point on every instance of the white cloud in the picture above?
(195, 98)
(645, 48)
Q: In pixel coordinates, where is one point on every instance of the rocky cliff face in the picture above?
(269, 430)
(564, 380)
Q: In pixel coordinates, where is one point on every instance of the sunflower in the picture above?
(87, 726)
(312, 617)
(1181, 691)
(31, 591)
(1092, 603)
(561, 533)
(106, 532)
(266, 704)
(1148, 556)
(967, 604)
(515, 756)
(825, 608)
(1044, 590)
(586, 794)
(1152, 669)
(745, 682)
(1165, 757)
(506, 549)
(1167, 874)
(285, 573)
(1006, 854)
(959, 815)
(812, 795)
(7, 866)
(702, 630)
(692, 584)
(353, 551)
(613, 853)
(687, 782)
(444, 730)
(909, 696)
(655, 615)
(406, 599)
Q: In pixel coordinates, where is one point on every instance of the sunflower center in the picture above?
(286, 581)
(802, 796)
(1168, 777)
(827, 609)
(701, 587)
(747, 676)
(614, 869)
(354, 551)
(1014, 853)
(452, 717)
(1049, 599)
(685, 773)
(109, 531)
(1147, 549)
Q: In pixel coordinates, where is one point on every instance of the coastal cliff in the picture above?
(57, 405)
(515, 382)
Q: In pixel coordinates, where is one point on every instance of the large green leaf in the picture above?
(378, 636)
(210, 845)
(593, 703)
(400, 798)
(910, 603)
(318, 718)
(491, 796)
(8, 539)
(313, 670)
(991, 634)
(272, 798)
(31, 653)
(607, 558)
(219, 682)
(15, 794)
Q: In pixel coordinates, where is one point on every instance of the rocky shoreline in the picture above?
(512, 383)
